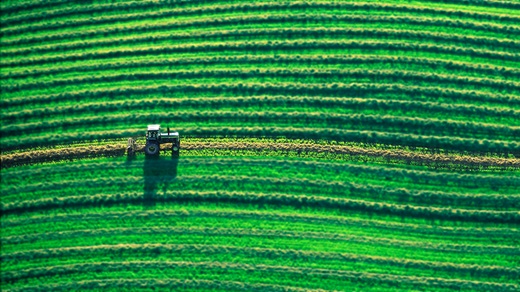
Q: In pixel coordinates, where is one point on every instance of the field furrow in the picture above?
(291, 145)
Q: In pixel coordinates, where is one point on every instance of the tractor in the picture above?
(154, 138)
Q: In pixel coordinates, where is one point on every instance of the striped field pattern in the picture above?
(326, 145)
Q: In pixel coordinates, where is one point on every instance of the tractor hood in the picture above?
(172, 134)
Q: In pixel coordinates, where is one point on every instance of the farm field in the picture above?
(325, 145)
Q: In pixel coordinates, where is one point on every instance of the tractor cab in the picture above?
(153, 132)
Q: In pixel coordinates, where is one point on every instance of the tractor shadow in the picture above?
(159, 173)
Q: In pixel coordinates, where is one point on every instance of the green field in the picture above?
(326, 145)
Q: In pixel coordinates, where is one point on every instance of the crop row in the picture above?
(266, 102)
(241, 7)
(252, 19)
(417, 176)
(247, 237)
(331, 264)
(223, 165)
(35, 4)
(71, 252)
(457, 144)
(263, 46)
(272, 199)
(229, 169)
(434, 64)
(132, 284)
(383, 227)
(324, 188)
(273, 243)
(252, 237)
(484, 3)
(346, 275)
(216, 231)
(120, 231)
(458, 235)
(329, 74)
(266, 88)
(213, 272)
(349, 121)
(301, 271)
(250, 34)
(452, 143)
(15, 7)
(406, 157)
(243, 239)
(38, 156)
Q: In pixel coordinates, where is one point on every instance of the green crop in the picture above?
(325, 145)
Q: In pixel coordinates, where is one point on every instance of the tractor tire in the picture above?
(176, 149)
(152, 149)
(175, 152)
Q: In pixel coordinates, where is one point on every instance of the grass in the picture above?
(370, 146)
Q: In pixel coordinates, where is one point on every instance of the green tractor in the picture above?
(154, 138)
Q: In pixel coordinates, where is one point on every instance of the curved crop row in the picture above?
(251, 34)
(266, 88)
(212, 231)
(390, 124)
(484, 3)
(262, 46)
(275, 199)
(340, 274)
(240, 7)
(394, 75)
(257, 19)
(406, 157)
(281, 242)
(234, 168)
(435, 142)
(416, 189)
(162, 283)
(252, 237)
(417, 176)
(28, 5)
(238, 214)
(332, 188)
(437, 64)
(490, 271)
(35, 4)
(265, 102)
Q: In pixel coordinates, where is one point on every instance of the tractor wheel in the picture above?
(151, 149)
(176, 147)
(175, 151)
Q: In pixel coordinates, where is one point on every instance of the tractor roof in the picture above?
(154, 127)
